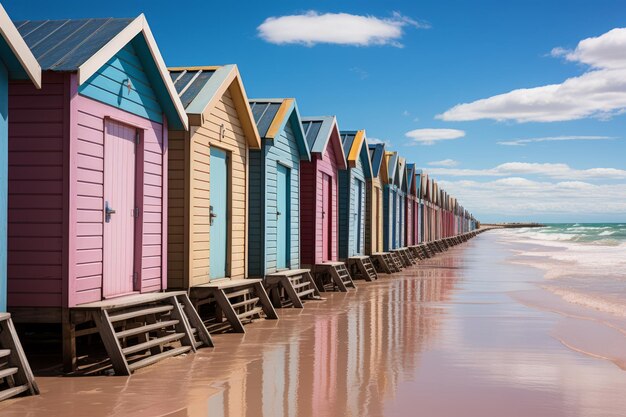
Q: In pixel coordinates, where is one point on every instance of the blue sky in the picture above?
(397, 66)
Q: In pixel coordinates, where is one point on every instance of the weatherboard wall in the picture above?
(349, 207)
(4, 133)
(311, 204)
(374, 217)
(56, 176)
(189, 201)
(283, 150)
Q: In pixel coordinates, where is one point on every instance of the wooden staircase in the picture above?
(333, 275)
(384, 263)
(362, 267)
(397, 261)
(16, 376)
(238, 301)
(142, 329)
(294, 285)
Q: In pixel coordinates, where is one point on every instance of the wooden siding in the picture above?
(374, 217)
(87, 190)
(109, 85)
(189, 200)
(39, 119)
(283, 149)
(311, 203)
(348, 207)
(4, 139)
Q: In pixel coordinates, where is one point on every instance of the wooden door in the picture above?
(326, 217)
(377, 216)
(358, 217)
(220, 220)
(282, 216)
(120, 214)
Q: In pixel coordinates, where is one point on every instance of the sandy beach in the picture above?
(467, 333)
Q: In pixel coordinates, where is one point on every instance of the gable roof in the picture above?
(319, 131)
(391, 159)
(418, 183)
(401, 173)
(355, 146)
(85, 45)
(377, 153)
(201, 88)
(15, 54)
(272, 115)
(410, 178)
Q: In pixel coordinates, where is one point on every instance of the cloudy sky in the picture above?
(515, 107)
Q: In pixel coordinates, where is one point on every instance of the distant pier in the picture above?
(509, 225)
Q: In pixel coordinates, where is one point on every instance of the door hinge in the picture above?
(136, 212)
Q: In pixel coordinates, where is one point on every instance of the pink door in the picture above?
(326, 217)
(119, 206)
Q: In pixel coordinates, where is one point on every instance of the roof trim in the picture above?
(329, 126)
(22, 52)
(280, 119)
(224, 78)
(137, 26)
(360, 140)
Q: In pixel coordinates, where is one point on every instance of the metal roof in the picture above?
(64, 45)
(377, 152)
(317, 131)
(347, 139)
(189, 82)
(264, 112)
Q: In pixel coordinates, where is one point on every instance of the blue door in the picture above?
(220, 217)
(282, 217)
(394, 220)
(358, 217)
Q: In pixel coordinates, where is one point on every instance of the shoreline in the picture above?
(405, 344)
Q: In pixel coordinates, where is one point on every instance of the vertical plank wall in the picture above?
(283, 149)
(177, 211)
(37, 127)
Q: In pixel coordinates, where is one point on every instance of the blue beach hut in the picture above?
(274, 201)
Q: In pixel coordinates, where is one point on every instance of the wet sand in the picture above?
(457, 336)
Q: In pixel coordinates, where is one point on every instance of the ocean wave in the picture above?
(606, 233)
(595, 301)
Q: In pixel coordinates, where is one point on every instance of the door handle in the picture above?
(108, 211)
(211, 215)
(278, 213)
(323, 214)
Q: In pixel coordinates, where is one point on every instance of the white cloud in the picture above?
(600, 92)
(313, 28)
(444, 163)
(523, 142)
(375, 141)
(430, 136)
(515, 196)
(561, 171)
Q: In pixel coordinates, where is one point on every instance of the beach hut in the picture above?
(374, 215)
(319, 185)
(410, 206)
(87, 195)
(274, 199)
(401, 180)
(390, 207)
(352, 205)
(209, 197)
(16, 63)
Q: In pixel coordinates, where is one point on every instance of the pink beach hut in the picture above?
(319, 203)
(87, 194)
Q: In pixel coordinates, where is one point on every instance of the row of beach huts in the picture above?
(147, 207)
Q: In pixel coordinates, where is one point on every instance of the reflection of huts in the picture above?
(89, 201)
(353, 183)
(274, 213)
(319, 186)
(208, 197)
(16, 63)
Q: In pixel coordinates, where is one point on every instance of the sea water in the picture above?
(584, 263)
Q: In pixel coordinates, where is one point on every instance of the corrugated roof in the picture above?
(189, 82)
(317, 131)
(264, 112)
(377, 152)
(64, 45)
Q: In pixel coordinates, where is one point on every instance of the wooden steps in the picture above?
(142, 329)
(362, 267)
(16, 376)
(384, 263)
(332, 276)
(294, 287)
(236, 301)
(396, 260)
